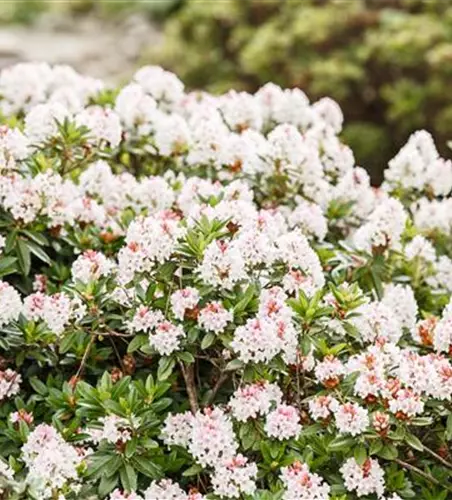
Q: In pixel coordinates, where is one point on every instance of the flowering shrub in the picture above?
(203, 298)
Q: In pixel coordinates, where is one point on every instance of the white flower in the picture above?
(384, 227)
(310, 219)
(252, 400)
(214, 317)
(305, 270)
(113, 429)
(212, 439)
(257, 341)
(135, 108)
(166, 337)
(118, 495)
(363, 479)
(162, 85)
(407, 402)
(301, 484)
(283, 422)
(329, 371)
(103, 125)
(9, 383)
(351, 419)
(91, 265)
(41, 121)
(222, 265)
(321, 407)
(234, 477)
(178, 428)
(172, 136)
(400, 298)
(164, 490)
(240, 111)
(10, 304)
(51, 462)
(181, 300)
(377, 321)
(419, 247)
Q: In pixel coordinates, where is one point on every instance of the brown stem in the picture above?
(118, 356)
(85, 356)
(221, 380)
(113, 333)
(438, 457)
(189, 378)
(420, 472)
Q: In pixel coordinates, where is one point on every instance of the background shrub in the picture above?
(388, 63)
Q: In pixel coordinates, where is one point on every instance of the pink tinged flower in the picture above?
(214, 317)
(283, 422)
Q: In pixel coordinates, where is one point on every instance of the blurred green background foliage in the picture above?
(387, 62)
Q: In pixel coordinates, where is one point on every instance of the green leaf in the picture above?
(147, 467)
(389, 452)
(360, 454)
(193, 470)
(186, 357)
(128, 478)
(235, 364)
(208, 340)
(11, 241)
(67, 342)
(23, 254)
(38, 386)
(375, 446)
(414, 442)
(166, 365)
(98, 463)
(38, 238)
(449, 427)
(39, 252)
(131, 447)
(107, 485)
(137, 342)
(341, 443)
(6, 262)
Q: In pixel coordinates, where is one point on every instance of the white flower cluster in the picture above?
(91, 265)
(271, 333)
(301, 484)
(252, 400)
(210, 438)
(161, 490)
(10, 304)
(9, 383)
(55, 310)
(214, 218)
(113, 429)
(364, 479)
(418, 166)
(51, 462)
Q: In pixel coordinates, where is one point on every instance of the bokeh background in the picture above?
(387, 62)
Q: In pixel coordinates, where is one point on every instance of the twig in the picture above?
(221, 380)
(121, 364)
(420, 472)
(189, 378)
(114, 333)
(438, 457)
(85, 356)
(298, 385)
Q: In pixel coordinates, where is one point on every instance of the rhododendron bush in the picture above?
(202, 297)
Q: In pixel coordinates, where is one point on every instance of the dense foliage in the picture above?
(387, 62)
(28, 11)
(203, 298)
